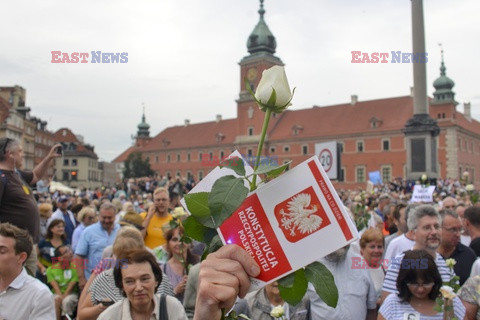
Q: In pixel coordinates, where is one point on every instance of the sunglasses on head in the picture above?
(5, 145)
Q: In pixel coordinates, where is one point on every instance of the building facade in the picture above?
(370, 133)
(79, 166)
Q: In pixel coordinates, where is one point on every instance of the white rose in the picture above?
(469, 187)
(424, 177)
(178, 212)
(447, 292)
(277, 312)
(274, 79)
(450, 262)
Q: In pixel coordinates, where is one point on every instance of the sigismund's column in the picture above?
(421, 130)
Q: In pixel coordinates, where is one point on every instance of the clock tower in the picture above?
(261, 46)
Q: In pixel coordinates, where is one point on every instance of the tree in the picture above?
(136, 166)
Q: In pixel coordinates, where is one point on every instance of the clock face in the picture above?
(252, 74)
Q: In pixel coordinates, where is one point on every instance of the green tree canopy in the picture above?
(136, 166)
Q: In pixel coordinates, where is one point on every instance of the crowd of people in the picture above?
(118, 253)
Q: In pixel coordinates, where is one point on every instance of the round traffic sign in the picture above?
(326, 159)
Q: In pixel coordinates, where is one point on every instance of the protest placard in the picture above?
(422, 193)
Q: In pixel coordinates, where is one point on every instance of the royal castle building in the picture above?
(369, 134)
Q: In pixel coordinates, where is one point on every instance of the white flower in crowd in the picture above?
(469, 187)
(450, 262)
(465, 174)
(447, 292)
(358, 199)
(178, 212)
(424, 177)
(273, 91)
(277, 312)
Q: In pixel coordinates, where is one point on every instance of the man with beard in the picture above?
(156, 217)
(425, 222)
(356, 291)
(451, 247)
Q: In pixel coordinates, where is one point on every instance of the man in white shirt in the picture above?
(356, 291)
(21, 296)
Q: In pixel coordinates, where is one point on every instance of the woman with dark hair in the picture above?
(418, 286)
(138, 277)
(180, 258)
(54, 238)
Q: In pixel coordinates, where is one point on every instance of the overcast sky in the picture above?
(183, 57)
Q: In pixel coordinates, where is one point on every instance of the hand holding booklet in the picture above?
(288, 222)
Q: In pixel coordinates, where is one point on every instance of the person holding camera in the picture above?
(17, 203)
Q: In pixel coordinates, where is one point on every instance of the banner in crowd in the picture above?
(422, 193)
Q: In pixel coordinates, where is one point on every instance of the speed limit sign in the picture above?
(327, 154)
(326, 159)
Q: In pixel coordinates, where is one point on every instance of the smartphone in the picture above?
(59, 150)
(106, 303)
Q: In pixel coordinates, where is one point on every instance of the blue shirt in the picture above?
(91, 244)
(76, 235)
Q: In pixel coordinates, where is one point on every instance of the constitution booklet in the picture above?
(289, 222)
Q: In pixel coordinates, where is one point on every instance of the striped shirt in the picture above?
(394, 309)
(390, 282)
(104, 288)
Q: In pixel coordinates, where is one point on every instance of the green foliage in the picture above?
(197, 204)
(234, 163)
(323, 282)
(226, 196)
(293, 287)
(272, 171)
(136, 166)
(197, 231)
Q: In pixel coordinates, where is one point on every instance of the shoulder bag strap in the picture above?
(163, 312)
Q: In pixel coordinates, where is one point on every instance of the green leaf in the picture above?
(213, 246)
(272, 99)
(249, 89)
(287, 281)
(226, 196)
(234, 163)
(437, 308)
(197, 204)
(322, 280)
(195, 230)
(294, 293)
(272, 171)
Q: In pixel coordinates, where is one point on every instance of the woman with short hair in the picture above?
(138, 279)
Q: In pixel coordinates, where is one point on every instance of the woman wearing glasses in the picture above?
(418, 286)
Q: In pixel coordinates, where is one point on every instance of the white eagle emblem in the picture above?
(300, 216)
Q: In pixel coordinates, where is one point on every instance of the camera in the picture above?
(59, 150)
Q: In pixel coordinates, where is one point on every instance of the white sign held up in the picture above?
(422, 193)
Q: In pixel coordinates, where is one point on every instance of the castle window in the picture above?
(386, 145)
(305, 149)
(360, 174)
(359, 146)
